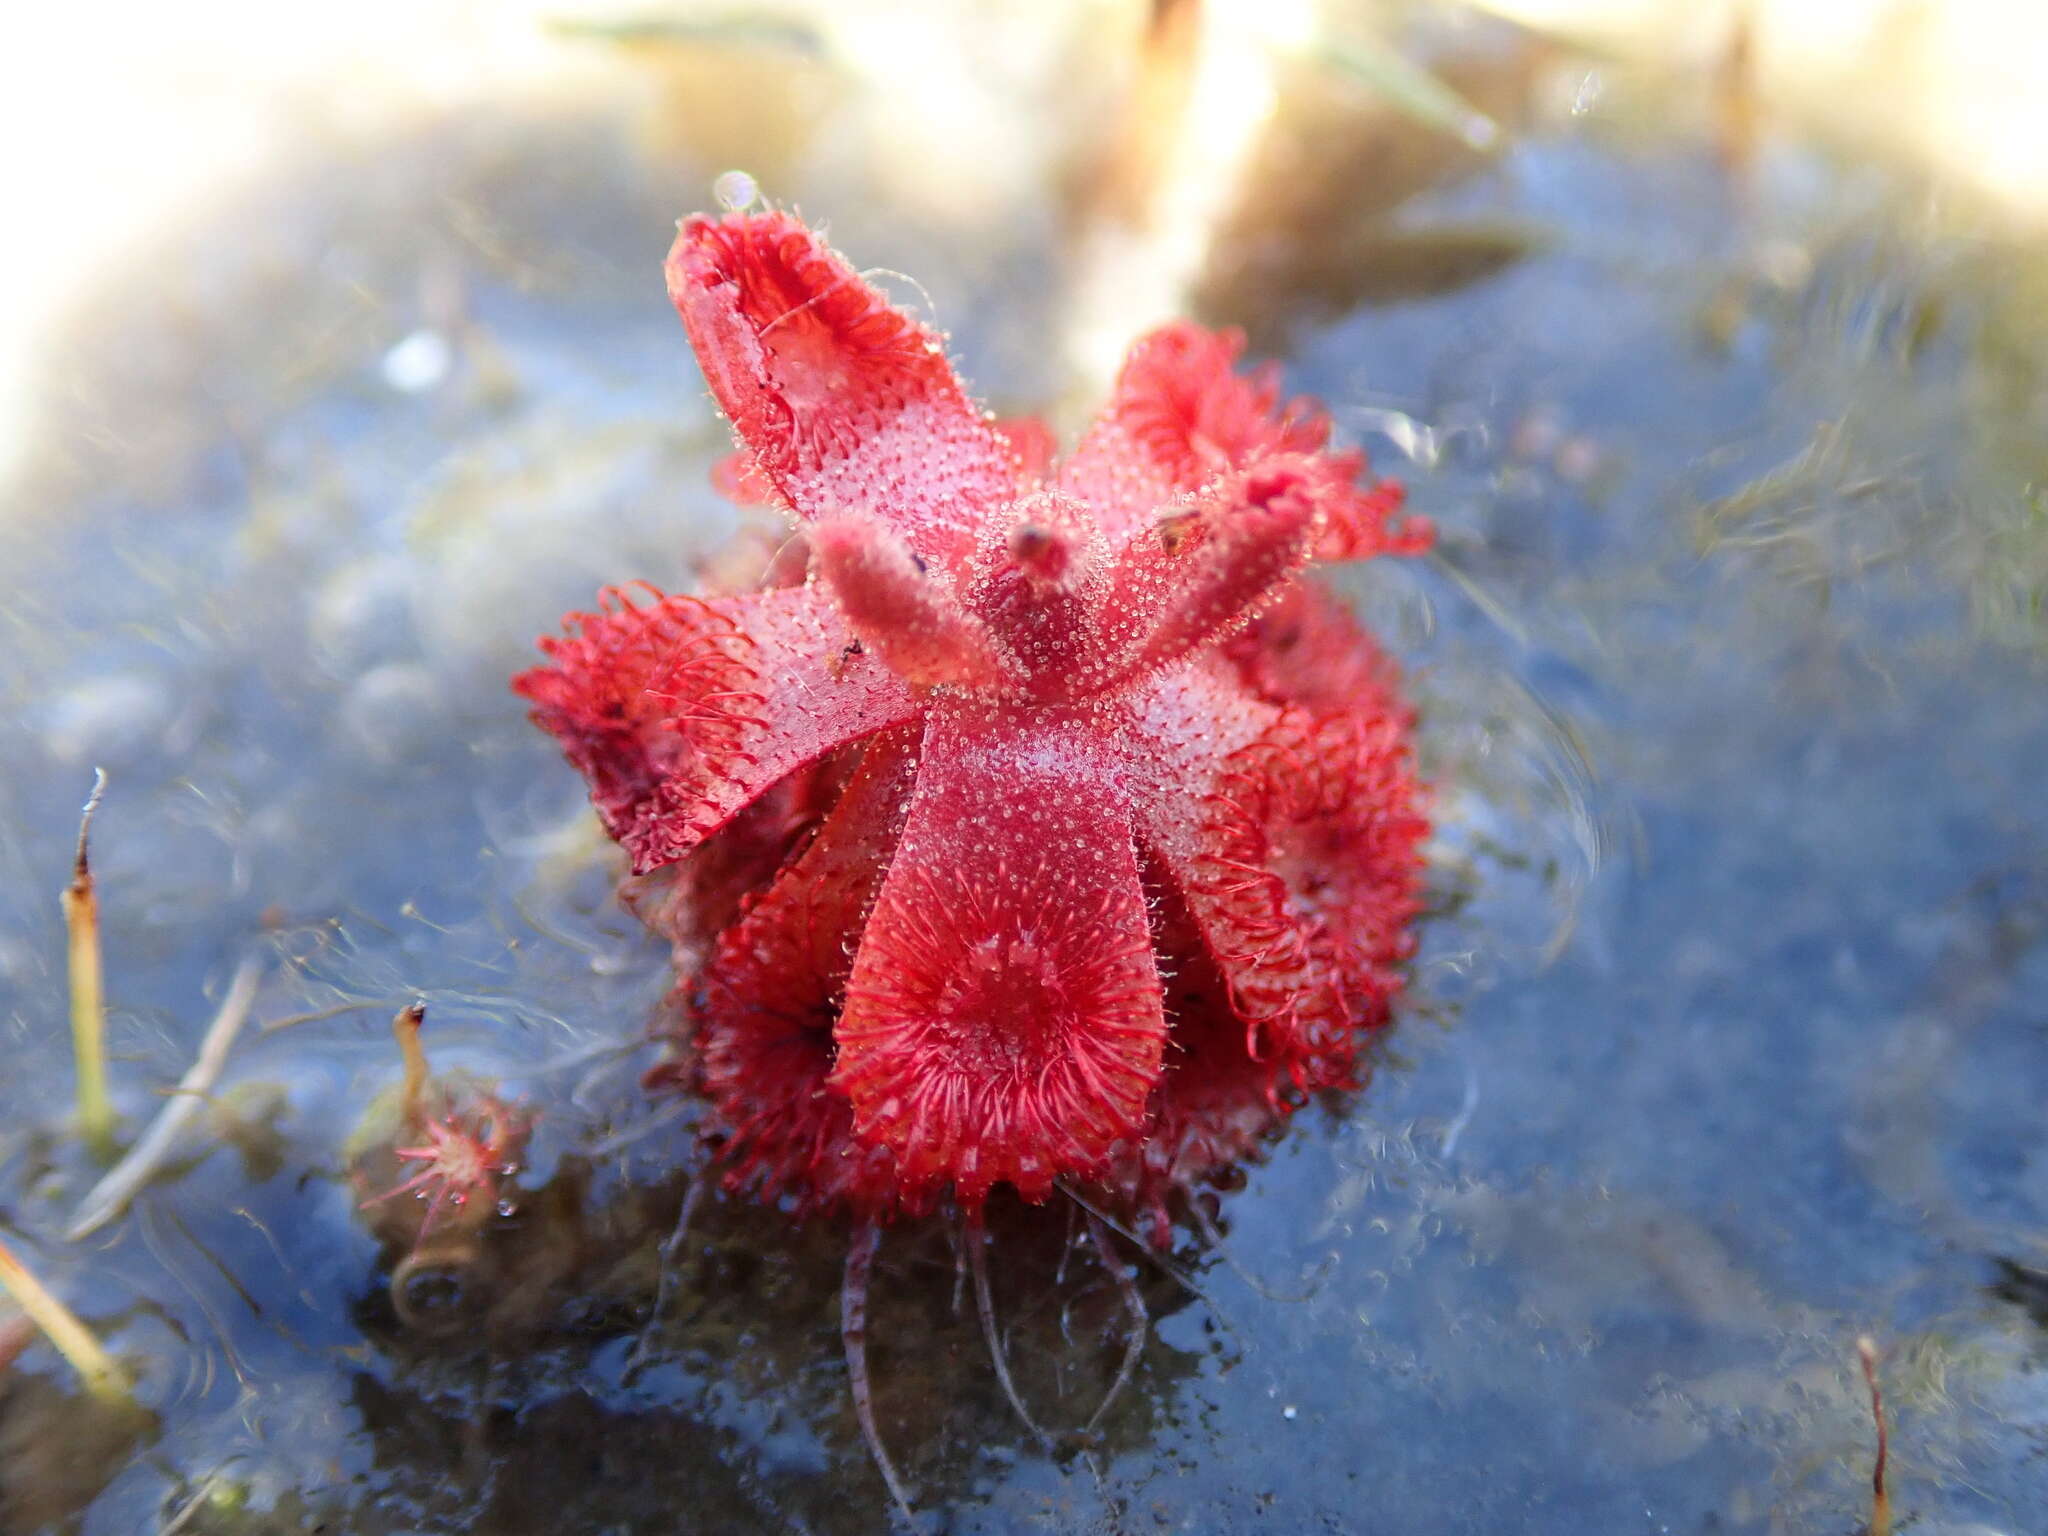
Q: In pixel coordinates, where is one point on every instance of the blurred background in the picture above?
(335, 365)
(129, 120)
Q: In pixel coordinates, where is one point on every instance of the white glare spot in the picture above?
(418, 363)
(735, 191)
(1479, 131)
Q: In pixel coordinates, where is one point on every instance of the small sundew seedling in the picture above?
(466, 1156)
(103, 1376)
(436, 1154)
(88, 1007)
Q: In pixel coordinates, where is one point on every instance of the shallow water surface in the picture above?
(1725, 1044)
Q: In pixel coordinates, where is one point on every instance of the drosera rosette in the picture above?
(460, 1167)
(1032, 826)
(432, 1166)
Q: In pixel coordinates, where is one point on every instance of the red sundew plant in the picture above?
(1035, 825)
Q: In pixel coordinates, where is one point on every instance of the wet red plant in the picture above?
(1034, 826)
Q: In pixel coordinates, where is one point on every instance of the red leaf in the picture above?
(846, 403)
(1003, 1019)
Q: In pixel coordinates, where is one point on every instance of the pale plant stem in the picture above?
(111, 1195)
(405, 1025)
(72, 1339)
(853, 1328)
(1134, 1304)
(88, 1003)
(984, 1301)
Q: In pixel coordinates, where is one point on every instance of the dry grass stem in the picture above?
(88, 1006)
(110, 1197)
(72, 1339)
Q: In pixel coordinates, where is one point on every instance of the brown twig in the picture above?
(16, 1334)
(1736, 105)
(1880, 1500)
